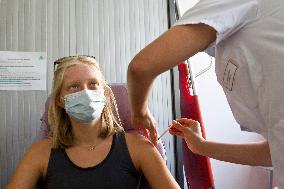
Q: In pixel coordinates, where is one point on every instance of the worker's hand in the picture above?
(190, 130)
(146, 125)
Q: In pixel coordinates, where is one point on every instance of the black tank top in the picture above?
(115, 171)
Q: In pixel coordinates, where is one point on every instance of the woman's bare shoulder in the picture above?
(41, 148)
(137, 141)
(137, 146)
(44, 143)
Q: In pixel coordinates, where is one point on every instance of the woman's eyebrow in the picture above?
(94, 79)
(73, 82)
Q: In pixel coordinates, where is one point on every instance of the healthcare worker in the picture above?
(248, 36)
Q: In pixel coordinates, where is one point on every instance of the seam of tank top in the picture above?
(48, 166)
(128, 154)
(95, 166)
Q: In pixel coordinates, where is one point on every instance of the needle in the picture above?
(164, 133)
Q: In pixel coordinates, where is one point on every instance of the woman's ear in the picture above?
(60, 102)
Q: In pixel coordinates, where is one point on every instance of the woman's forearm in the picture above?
(255, 154)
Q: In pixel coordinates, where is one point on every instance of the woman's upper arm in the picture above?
(147, 158)
(155, 169)
(31, 166)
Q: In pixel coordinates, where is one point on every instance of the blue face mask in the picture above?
(86, 105)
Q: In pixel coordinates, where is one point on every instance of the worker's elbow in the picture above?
(139, 67)
(135, 66)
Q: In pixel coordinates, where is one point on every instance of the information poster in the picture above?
(22, 70)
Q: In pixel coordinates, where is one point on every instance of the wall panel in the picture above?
(111, 30)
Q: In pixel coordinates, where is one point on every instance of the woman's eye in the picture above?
(73, 87)
(94, 84)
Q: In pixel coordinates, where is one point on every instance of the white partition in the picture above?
(111, 30)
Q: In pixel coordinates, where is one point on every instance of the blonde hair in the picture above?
(62, 136)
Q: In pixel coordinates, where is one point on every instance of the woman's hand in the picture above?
(146, 125)
(190, 130)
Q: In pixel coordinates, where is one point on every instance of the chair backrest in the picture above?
(121, 96)
(120, 92)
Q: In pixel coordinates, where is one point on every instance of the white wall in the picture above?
(111, 30)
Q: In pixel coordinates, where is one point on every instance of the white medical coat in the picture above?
(250, 64)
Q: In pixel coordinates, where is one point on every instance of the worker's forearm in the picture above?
(256, 154)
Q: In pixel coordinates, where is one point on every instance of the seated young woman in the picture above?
(88, 147)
